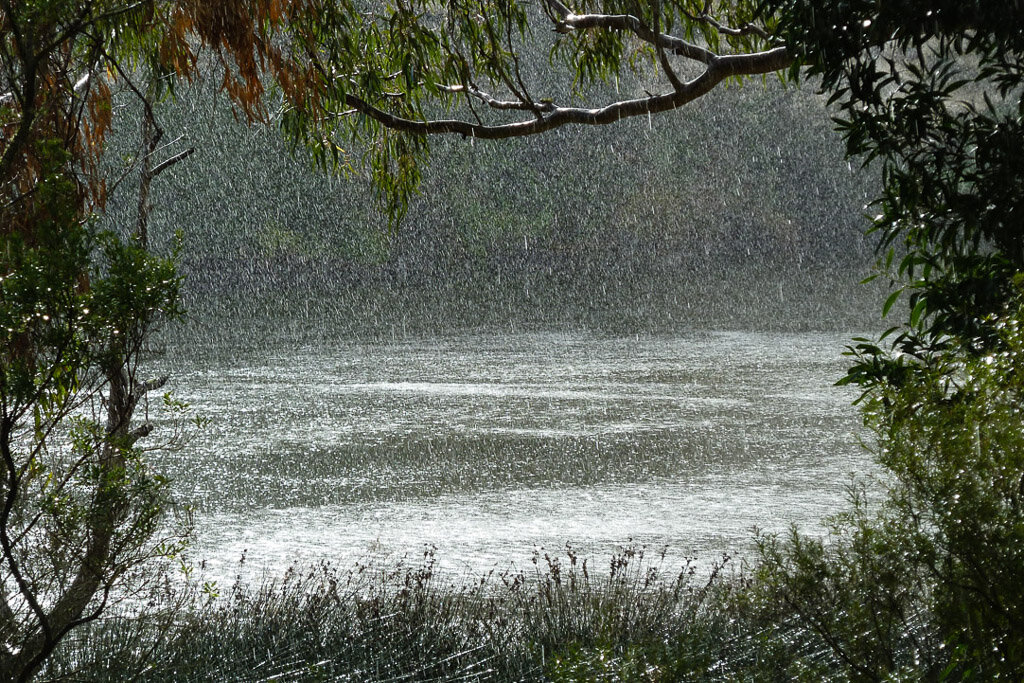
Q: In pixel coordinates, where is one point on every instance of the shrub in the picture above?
(929, 583)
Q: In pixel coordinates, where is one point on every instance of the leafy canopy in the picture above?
(931, 90)
(925, 584)
(382, 77)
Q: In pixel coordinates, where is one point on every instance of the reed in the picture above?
(558, 619)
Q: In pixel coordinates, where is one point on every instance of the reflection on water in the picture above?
(488, 447)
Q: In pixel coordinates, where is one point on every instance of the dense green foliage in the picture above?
(925, 584)
(931, 91)
(79, 505)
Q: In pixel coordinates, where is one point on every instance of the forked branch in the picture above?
(718, 69)
(567, 21)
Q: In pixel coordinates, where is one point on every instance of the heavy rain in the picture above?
(511, 341)
(624, 337)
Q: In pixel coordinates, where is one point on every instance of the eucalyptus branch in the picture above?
(568, 21)
(666, 66)
(719, 68)
(494, 103)
(747, 29)
(391, 94)
(138, 94)
(139, 432)
(13, 486)
(518, 72)
(73, 27)
(503, 73)
(8, 620)
(27, 98)
(670, 73)
(65, 481)
(120, 11)
(129, 168)
(152, 384)
(472, 108)
(167, 163)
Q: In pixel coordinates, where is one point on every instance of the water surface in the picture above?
(490, 447)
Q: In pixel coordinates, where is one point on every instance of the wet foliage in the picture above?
(927, 584)
(562, 618)
(930, 92)
(79, 505)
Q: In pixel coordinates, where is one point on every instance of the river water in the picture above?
(491, 447)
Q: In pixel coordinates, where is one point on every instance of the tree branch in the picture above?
(745, 30)
(501, 105)
(139, 432)
(167, 163)
(666, 67)
(719, 68)
(568, 21)
(13, 486)
(152, 384)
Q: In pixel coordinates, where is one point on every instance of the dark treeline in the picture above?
(737, 212)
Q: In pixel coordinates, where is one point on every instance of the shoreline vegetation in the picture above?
(560, 619)
(922, 582)
(918, 579)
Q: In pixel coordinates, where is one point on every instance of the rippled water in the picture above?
(488, 447)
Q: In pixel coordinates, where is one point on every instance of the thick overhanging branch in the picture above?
(719, 68)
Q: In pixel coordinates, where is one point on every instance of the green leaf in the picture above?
(918, 312)
(890, 301)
